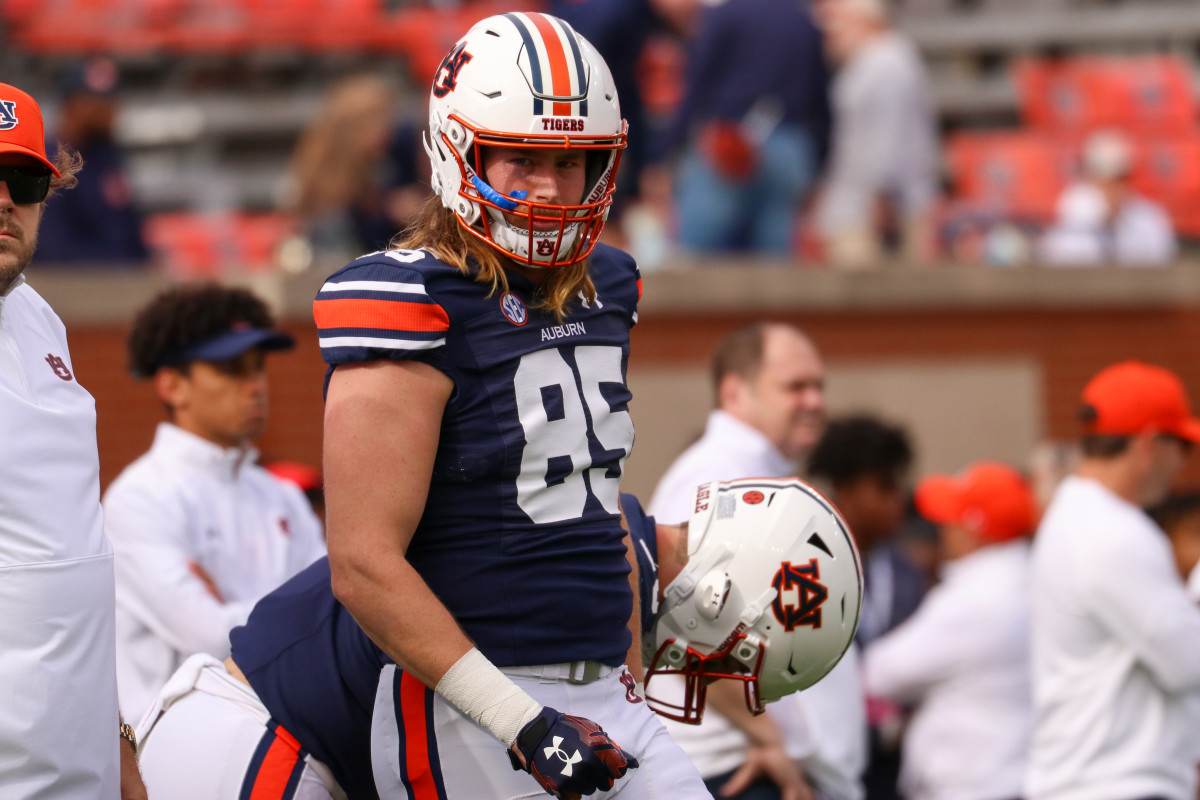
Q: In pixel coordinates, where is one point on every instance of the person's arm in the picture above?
(157, 579)
(766, 751)
(132, 787)
(1154, 615)
(933, 643)
(382, 421)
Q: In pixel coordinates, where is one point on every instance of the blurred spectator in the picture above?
(1116, 639)
(769, 380)
(304, 477)
(1179, 517)
(752, 127)
(963, 658)
(862, 463)
(882, 180)
(1103, 219)
(619, 30)
(356, 177)
(200, 531)
(98, 223)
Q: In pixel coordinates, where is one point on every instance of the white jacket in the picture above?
(1116, 655)
(186, 501)
(58, 715)
(825, 726)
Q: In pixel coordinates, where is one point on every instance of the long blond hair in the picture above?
(437, 229)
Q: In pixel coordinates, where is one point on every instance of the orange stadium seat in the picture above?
(1168, 170)
(197, 245)
(1151, 93)
(1014, 173)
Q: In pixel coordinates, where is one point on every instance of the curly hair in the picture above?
(68, 162)
(857, 446)
(183, 315)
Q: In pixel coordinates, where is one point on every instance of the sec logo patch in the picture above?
(514, 309)
(753, 498)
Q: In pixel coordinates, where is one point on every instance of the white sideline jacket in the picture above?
(189, 500)
(58, 711)
(1116, 655)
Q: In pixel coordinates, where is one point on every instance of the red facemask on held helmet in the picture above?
(770, 596)
(527, 81)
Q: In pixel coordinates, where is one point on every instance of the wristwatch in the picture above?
(126, 731)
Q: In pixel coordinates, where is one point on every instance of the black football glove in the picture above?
(570, 755)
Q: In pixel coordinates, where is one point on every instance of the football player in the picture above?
(290, 712)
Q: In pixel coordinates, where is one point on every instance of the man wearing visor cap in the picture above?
(200, 530)
(59, 725)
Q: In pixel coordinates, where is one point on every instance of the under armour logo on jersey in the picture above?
(554, 751)
(809, 595)
(8, 115)
(59, 366)
(447, 73)
(586, 304)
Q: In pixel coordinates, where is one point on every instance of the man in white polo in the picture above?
(1116, 639)
(59, 724)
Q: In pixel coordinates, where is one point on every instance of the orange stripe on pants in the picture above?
(276, 770)
(416, 738)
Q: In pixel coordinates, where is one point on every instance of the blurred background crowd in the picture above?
(783, 139)
(254, 135)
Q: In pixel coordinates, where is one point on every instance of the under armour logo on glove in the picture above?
(570, 755)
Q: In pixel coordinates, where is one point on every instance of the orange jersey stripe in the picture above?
(560, 73)
(276, 770)
(391, 315)
(416, 742)
(639, 290)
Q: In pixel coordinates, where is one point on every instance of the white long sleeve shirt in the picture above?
(187, 501)
(1116, 655)
(825, 725)
(963, 659)
(58, 684)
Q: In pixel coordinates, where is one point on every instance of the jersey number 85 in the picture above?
(554, 435)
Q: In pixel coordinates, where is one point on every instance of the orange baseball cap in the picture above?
(1130, 398)
(21, 128)
(989, 498)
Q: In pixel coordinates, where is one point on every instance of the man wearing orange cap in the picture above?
(963, 657)
(59, 723)
(1116, 640)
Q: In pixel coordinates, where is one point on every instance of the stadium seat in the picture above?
(1168, 170)
(196, 245)
(1145, 93)
(1015, 173)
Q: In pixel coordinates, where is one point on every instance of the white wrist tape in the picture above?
(485, 694)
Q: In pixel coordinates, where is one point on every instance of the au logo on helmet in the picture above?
(447, 72)
(8, 115)
(809, 595)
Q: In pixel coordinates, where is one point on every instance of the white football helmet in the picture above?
(525, 80)
(770, 595)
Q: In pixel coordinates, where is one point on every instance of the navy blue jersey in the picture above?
(520, 536)
(316, 672)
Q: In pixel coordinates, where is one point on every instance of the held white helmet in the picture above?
(525, 80)
(770, 595)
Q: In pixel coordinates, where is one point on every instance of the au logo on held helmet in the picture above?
(809, 594)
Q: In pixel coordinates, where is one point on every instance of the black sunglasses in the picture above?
(26, 185)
